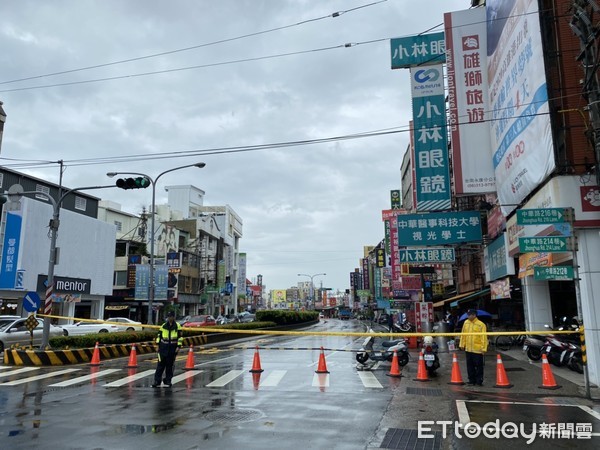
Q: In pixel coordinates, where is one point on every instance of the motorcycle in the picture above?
(384, 351)
(430, 355)
(403, 325)
(555, 350)
(533, 346)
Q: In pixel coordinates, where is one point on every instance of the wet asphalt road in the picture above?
(221, 404)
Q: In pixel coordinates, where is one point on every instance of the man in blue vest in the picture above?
(169, 340)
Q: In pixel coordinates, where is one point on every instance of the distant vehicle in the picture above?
(126, 324)
(246, 317)
(183, 320)
(345, 314)
(200, 321)
(13, 331)
(81, 328)
(321, 316)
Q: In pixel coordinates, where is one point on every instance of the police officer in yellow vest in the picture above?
(474, 346)
(169, 340)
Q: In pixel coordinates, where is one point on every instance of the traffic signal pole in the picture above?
(14, 195)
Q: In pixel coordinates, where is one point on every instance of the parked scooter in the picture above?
(430, 355)
(533, 346)
(377, 349)
(403, 325)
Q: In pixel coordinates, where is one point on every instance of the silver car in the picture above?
(13, 331)
(80, 328)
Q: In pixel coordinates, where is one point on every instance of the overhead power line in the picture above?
(193, 47)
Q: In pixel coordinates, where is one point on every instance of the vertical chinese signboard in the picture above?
(469, 113)
(432, 171)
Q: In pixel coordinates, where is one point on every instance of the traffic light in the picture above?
(133, 183)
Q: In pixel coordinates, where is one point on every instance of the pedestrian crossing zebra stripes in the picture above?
(116, 378)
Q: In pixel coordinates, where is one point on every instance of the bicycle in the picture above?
(505, 343)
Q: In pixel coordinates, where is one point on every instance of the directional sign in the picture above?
(553, 273)
(546, 244)
(31, 302)
(544, 215)
(427, 255)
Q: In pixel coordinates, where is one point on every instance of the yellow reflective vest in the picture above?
(170, 335)
(474, 343)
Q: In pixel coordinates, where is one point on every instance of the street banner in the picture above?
(416, 230)
(418, 50)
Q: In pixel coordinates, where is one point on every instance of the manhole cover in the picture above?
(235, 416)
(424, 391)
(408, 439)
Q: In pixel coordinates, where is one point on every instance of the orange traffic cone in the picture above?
(456, 377)
(395, 369)
(421, 370)
(501, 378)
(548, 381)
(322, 368)
(256, 362)
(132, 358)
(189, 364)
(96, 356)
(256, 380)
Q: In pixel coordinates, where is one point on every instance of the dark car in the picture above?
(200, 321)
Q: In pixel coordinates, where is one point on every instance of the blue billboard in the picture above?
(10, 250)
(439, 228)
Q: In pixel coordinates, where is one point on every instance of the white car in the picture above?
(14, 331)
(80, 328)
(125, 324)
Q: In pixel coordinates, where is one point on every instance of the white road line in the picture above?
(463, 413)
(130, 378)
(273, 378)
(185, 376)
(84, 378)
(39, 377)
(228, 377)
(320, 380)
(369, 380)
(5, 367)
(18, 371)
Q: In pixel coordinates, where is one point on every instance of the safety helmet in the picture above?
(428, 340)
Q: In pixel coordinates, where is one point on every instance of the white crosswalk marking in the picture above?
(320, 380)
(185, 376)
(5, 367)
(369, 380)
(18, 371)
(129, 379)
(83, 378)
(273, 378)
(39, 377)
(228, 377)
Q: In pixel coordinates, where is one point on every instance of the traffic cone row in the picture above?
(189, 364)
(322, 367)
(256, 363)
(96, 356)
(132, 358)
(548, 381)
(421, 370)
(395, 369)
(501, 378)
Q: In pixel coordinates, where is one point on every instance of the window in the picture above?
(121, 278)
(80, 203)
(119, 225)
(44, 189)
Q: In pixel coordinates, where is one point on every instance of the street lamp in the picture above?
(312, 286)
(200, 165)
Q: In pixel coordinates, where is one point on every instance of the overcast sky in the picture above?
(306, 208)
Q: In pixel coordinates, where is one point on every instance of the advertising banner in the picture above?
(468, 107)
(498, 263)
(439, 228)
(500, 289)
(10, 249)
(432, 172)
(520, 123)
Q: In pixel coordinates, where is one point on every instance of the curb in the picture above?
(21, 357)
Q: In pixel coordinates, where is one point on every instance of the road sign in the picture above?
(553, 273)
(549, 244)
(31, 323)
(31, 302)
(435, 229)
(544, 215)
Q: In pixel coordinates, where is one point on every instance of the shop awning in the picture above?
(461, 297)
(456, 297)
(471, 296)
